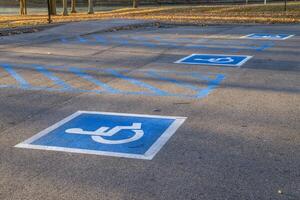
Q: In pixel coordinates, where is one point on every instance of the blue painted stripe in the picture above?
(91, 79)
(122, 41)
(193, 73)
(114, 40)
(137, 82)
(166, 42)
(177, 82)
(100, 39)
(144, 41)
(265, 46)
(211, 85)
(52, 77)
(77, 91)
(64, 40)
(81, 39)
(21, 81)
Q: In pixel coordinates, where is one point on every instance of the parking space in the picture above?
(156, 42)
(93, 80)
(175, 112)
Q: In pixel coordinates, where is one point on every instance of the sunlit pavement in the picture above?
(240, 138)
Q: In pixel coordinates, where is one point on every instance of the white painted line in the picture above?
(82, 151)
(288, 37)
(244, 61)
(51, 128)
(249, 37)
(162, 140)
(246, 36)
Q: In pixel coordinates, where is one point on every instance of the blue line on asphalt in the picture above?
(81, 39)
(211, 85)
(117, 40)
(265, 46)
(64, 40)
(137, 82)
(186, 40)
(52, 77)
(22, 82)
(161, 42)
(165, 42)
(144, 41)
(177, 82)
(100, 39)
(122, 41)
(97, 82)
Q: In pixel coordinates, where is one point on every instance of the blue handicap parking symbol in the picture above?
(215, 59)
(268, 36)
(112, 134)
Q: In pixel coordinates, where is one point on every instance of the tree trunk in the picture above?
(135, 3)
(25, 7)
(65, 7)
(73, 2)
(22, 7)
(53, 7)
(91, 7)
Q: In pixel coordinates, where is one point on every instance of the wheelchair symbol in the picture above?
(268, 36)
(217, 60)
(98, 134)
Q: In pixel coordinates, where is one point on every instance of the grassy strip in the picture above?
(272, 13)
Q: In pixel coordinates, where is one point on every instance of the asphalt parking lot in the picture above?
(237, 98)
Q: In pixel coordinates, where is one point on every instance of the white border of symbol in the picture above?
(149, 155)
(246, 58)
(249, 37)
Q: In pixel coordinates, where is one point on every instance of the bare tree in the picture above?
(91, 7)
(65, 7)
(135, 3)
(23, 7)
(73, 5)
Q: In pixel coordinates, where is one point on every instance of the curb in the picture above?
(39, 28)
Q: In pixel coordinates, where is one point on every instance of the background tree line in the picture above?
(53, 5)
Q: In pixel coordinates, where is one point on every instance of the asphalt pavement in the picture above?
(239, 139)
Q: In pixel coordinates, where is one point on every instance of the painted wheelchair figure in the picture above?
(99, 134)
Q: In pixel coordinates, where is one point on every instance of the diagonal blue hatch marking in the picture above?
(21, 81)
(137, 82)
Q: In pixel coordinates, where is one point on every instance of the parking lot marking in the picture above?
(82, 39)
(137, 82)
(89, 78)
(215, 59)
(111, 134)
(212, 84)
(170, 82)
(177, 82)
(53, 78)
(22, 82)
(266, 36)
(63, 40)
(100, 39)
(156, 42)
